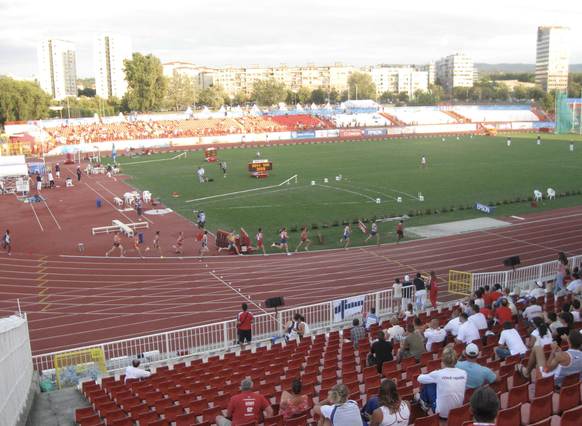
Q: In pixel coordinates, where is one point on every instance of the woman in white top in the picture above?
(396, 331)
(392, 410)
(541, 336)
(408, 312)
(397, 288)
(340, 411)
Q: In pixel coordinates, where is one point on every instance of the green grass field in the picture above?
(460, 172)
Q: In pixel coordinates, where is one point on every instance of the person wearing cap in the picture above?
(538, 291)
(477, 375)
(245, 407)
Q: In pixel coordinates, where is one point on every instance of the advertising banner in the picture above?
(344, 133)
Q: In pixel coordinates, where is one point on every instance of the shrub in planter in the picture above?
(293, 229)
(530, 198)
(444, 209)
(392, 214)
(428, 211)
(469, 206)
(498, 203)
(491, 204)
(355, 220)
(567, 193)
(505, 201)
(346, 222)
(373, 217)
(517, 200)
(314, 225)
(335, 223)
(411, 213)
(461, 207)
(365, 220)
(325, 225)
(453, 208)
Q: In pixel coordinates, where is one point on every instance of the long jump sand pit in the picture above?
(459, 227)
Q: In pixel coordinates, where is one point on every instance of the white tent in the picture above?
(343, 106)
(222, 110)
(255, 110)
(313, 106)
(327, 106)
(299, 107)
(282, 106)
(189, 110)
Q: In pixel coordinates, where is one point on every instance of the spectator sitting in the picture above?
(294, 327)
(567, 324)
(371, 318)
(133, 372)
(245, 407)
(479, 301)
(357, 333)
(443, 390)
(293, 403)
(467, 332)
(496, 293)
(538, 291)
(454, 324)
(411, 345)
(418, 327)
(505, 295)
(392, 410)
(341, 411)
(434, 334)
(510, 342)
(486, 296)
(477, 375)
(408, 312)
(503, 313)
(396, 332)
(573, 285)
(575, 310)
(478, 318)
(551, 318)
(532, 311)
(541, 336)
(380, 352)
(559, 363)
(484, 406)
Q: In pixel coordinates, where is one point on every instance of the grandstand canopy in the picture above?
(361, 104)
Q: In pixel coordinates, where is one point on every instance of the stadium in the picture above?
(81, 317)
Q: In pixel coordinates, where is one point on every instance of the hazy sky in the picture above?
(269, 32)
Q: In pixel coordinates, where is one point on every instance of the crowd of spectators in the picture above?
(439, 361)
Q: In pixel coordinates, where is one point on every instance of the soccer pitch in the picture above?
(460, 172)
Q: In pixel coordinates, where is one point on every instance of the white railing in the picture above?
(203, 339)
(541, 272)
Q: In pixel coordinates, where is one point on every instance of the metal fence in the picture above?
(522, 276)
(174, 345)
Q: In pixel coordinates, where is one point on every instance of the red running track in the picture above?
(77, 301)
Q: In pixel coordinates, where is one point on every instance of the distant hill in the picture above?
(486, 69)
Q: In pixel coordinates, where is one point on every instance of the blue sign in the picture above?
(374, 132)
(484, 208)
(300, 135)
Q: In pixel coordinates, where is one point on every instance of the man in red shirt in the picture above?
(503, 313)
(245, 407)
(496, 293)
(244, 321)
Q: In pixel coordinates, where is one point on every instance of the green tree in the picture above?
(22, 100)
(146, 84)
(334, 95)
(502, 92)
(387, 96)
(548, 103)
(432, 96)
(519, 93)
(269, 92)
(361, 86)
(182, 91)
(87, 91)
(240, 98)
(460, 93)
(535, 93)
(318, 96)
(214, 96)
(403, 97)
(303, 94)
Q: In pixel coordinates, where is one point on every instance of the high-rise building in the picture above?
(429, 68)
(397, 79)
(454, 71)
(109, 51)
(57, 73)
(553, 44)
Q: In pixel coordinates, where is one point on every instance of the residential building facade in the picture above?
(203, 76)
(57, 73)
(454, 71)
(109, 51)
(552, 58)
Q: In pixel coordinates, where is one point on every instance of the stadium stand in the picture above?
(298, 122)
(422, 116)
(195, 391)
(358, 120)
(488, 115)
